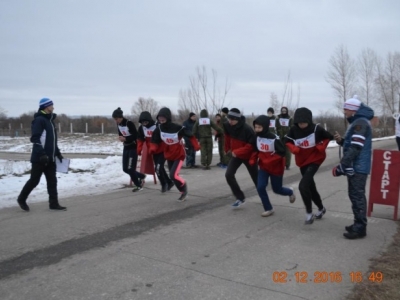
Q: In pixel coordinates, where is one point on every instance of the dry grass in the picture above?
(389, 264)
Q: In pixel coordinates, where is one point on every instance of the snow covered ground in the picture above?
(86, 176)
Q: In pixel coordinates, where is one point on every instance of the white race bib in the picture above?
(148, 132)
(124, 130)
(265, 145)
(170, 138)
(204, 121)
(272, 123)
(307, 142)
(284, 122)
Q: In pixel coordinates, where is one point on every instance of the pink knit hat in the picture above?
(352, 103)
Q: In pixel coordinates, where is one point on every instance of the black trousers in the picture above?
(159, 166)
(49, 172)
(129, 162)
(358, 200)
(308, 189)
(233, 166)
(174, 167)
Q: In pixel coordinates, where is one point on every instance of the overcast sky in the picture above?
(90, 57)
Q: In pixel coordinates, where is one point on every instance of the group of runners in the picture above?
(265, 148)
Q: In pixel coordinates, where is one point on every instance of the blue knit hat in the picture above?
(45, 102)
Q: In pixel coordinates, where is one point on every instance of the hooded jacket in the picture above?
(169, 135)
(269, 149)
(239, 139)
(307, 144)
(44, 137)
(285, 121)
(204, 124)
(145, 132)
(357, 142)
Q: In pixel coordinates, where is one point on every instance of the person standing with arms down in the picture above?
(270, 154)
(308, 142)
(202, 128)
(169, 135)
(127, 134)
(190, 152)
(221, 140)
(356, 162)
(239, 140)
(145, 131)
(44, 153)
(285, 121)
(274, 125)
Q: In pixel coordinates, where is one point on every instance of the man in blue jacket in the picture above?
(356, 162)
(44, 154)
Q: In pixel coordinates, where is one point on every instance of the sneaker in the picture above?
(219, 164)
(137, 189)
(23, 205)
(142, 180)
(238, 203)
(267, 213)
(208, 167)
(204, 168)
(320, 213)
(183, 196)
(352, 235)
(57, 207)
(309, 219)
(292, 198)
(287, 168)
(164, 188)
(170, 185)
(223, 166)
(195, 166)
(349, 228)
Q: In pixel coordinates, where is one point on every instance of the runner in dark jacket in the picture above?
(127, 134)
(270, 155)
(308, 141)
(239, 140)
(145, 132)
(168, 135)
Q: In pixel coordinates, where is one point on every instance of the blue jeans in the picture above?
(276, 183)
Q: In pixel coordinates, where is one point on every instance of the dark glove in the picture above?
(44, 160)
(60, 157)
(340, 170)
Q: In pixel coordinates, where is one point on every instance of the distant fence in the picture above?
(20, 131)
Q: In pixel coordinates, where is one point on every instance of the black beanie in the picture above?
(191, 114)
(118, 113)
(225, 110)
(234, 114)
(270, 109)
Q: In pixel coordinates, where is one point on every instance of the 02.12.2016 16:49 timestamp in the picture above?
(326, 277)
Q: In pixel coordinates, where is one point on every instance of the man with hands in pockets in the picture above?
(356, 162)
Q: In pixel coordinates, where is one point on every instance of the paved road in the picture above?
(124, 245)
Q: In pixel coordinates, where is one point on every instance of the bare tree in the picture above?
(3, 113)
(342, 76)
(145, 104)
(203, 93)
(367, 74)
(273, 101)
(388, 83)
